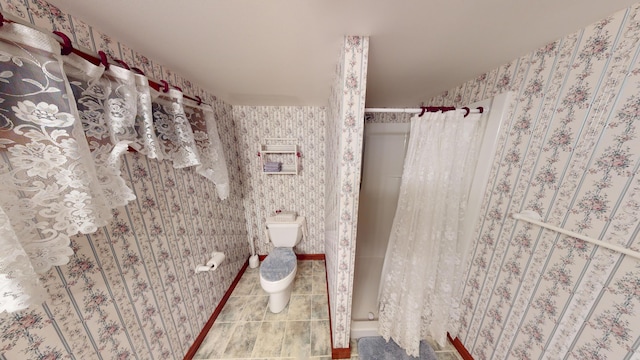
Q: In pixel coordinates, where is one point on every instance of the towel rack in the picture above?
(534, 218)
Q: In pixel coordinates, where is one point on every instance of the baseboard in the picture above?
(460, 347)
(310, 256)
(341, 353)
(300, 257)
(336, 353)
(205, 330)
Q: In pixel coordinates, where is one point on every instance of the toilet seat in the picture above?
(279, 264)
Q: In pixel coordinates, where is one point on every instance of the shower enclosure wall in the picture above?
(385, 146)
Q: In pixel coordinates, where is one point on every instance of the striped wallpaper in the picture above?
(570, 152)
(345, 131)
(130, 291)
(332, 185)
(303, 193)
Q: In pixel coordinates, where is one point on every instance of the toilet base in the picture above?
(278, 301)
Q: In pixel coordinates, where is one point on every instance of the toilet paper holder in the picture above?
(212, 264)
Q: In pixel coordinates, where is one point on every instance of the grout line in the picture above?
(310, 321)
(284, 336)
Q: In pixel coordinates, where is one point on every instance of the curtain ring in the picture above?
(165, 86)
(66, 43)
(423, 111)
(103, 59)
(467, 111)
(199, 100)
(480, 109)
(123, 64)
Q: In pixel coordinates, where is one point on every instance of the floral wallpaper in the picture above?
(129, 290)
(265, 193)
(332, 179)
(85, 37)
(346, 123)
(381, 118)
(570, 152)
(332, 182)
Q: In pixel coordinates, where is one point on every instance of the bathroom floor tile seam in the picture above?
(246, 313)
(224, 345)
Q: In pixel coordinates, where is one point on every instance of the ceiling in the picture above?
(284, 52)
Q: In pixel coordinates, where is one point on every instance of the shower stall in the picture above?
(385, 146)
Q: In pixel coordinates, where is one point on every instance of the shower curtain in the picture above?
(421, 277)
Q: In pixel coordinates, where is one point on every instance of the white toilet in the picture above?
(278, 269)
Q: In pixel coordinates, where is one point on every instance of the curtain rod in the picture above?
(421, 110)
(392, 110)
(534, 218)
(101, 58)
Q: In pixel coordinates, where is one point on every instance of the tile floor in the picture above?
(246, 329)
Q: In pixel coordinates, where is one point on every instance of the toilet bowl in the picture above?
(278, 270)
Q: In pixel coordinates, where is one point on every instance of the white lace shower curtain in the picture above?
(421, 272)
(64, 125)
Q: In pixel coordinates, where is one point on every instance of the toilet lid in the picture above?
(278, 264)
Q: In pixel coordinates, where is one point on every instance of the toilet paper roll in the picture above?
(202, 268)
(216, 259)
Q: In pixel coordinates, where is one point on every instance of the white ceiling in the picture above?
(284, 52)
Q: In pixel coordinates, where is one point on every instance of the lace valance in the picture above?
(64, 127)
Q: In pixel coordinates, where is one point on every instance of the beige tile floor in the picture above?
(246, 329)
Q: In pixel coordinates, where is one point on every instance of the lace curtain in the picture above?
(64, 126)
(49, 184)
(106, 103)
(419, 280)
(205, 132)
(188, 136)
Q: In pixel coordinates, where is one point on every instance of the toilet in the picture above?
(278, 269)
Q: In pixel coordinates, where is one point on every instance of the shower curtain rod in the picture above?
(101, 58)
(421, 110)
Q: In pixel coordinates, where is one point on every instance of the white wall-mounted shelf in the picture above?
(283, 150)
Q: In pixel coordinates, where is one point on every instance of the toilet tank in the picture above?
(285, 233)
